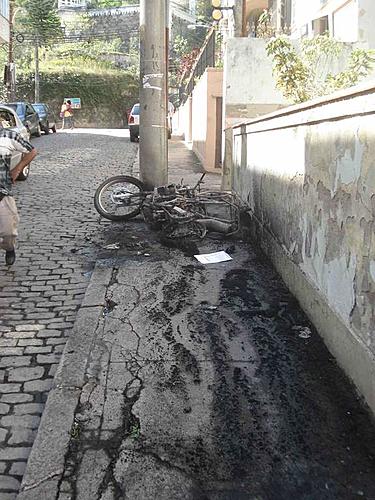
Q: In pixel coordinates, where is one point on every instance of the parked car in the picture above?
(28, 115)
(10, 119)
(133, 122)
(47, 117)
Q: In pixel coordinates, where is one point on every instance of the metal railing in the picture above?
(207, 58)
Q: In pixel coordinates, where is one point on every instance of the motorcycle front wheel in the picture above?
(119, 198)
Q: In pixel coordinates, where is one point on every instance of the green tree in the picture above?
(40, 19)
(204, 10)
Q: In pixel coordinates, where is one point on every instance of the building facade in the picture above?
(4, 21)
(345, 20)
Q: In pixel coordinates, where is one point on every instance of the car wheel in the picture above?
(54, 129)
(46, 130)
(24, 174)
(38, 132)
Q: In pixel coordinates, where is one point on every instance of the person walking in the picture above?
(11, 142)
(67, 114)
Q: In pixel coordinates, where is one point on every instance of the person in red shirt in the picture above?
(67, 115)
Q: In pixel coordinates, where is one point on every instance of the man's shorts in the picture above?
(9, 218)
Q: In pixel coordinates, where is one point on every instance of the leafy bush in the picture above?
(305, 75)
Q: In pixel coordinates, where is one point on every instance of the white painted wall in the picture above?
(345, 22)
(200, 117)
(366, 22)
(4, 21)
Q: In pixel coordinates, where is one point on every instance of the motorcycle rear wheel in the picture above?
(119, 198)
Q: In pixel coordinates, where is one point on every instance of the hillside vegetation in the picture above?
(96, 59)
(75, 62)
(84, 70)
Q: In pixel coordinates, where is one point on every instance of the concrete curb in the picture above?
(45, 466)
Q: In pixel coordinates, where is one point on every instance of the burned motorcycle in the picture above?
(177, 210)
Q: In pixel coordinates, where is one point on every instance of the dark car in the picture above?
(47, 118)
(29, 117)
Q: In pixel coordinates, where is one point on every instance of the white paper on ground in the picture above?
(212, 258)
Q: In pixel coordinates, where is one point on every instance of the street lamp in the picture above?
(217, 13)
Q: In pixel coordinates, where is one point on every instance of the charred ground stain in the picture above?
(285, 423)
(323, 438)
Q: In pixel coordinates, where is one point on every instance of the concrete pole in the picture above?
(12, 89)
(153, 134)
(278, 20)
(37, 74)
(240, 18)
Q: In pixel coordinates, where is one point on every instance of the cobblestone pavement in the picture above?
(40, 295)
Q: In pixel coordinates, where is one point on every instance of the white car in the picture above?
(133, 121)
(10, 119)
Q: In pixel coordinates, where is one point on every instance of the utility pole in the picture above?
(153, 137)
(37, 75)
(11, 68)
(240, 18)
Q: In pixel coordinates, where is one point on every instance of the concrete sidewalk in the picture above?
(184, 381)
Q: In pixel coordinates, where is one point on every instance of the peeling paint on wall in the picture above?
(349, 162)
(312, 186)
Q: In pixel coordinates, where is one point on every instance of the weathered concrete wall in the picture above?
(249, 87)
(308, 175)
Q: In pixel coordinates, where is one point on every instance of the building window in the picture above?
(4, 8)
(286, 14)
(320, 26)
